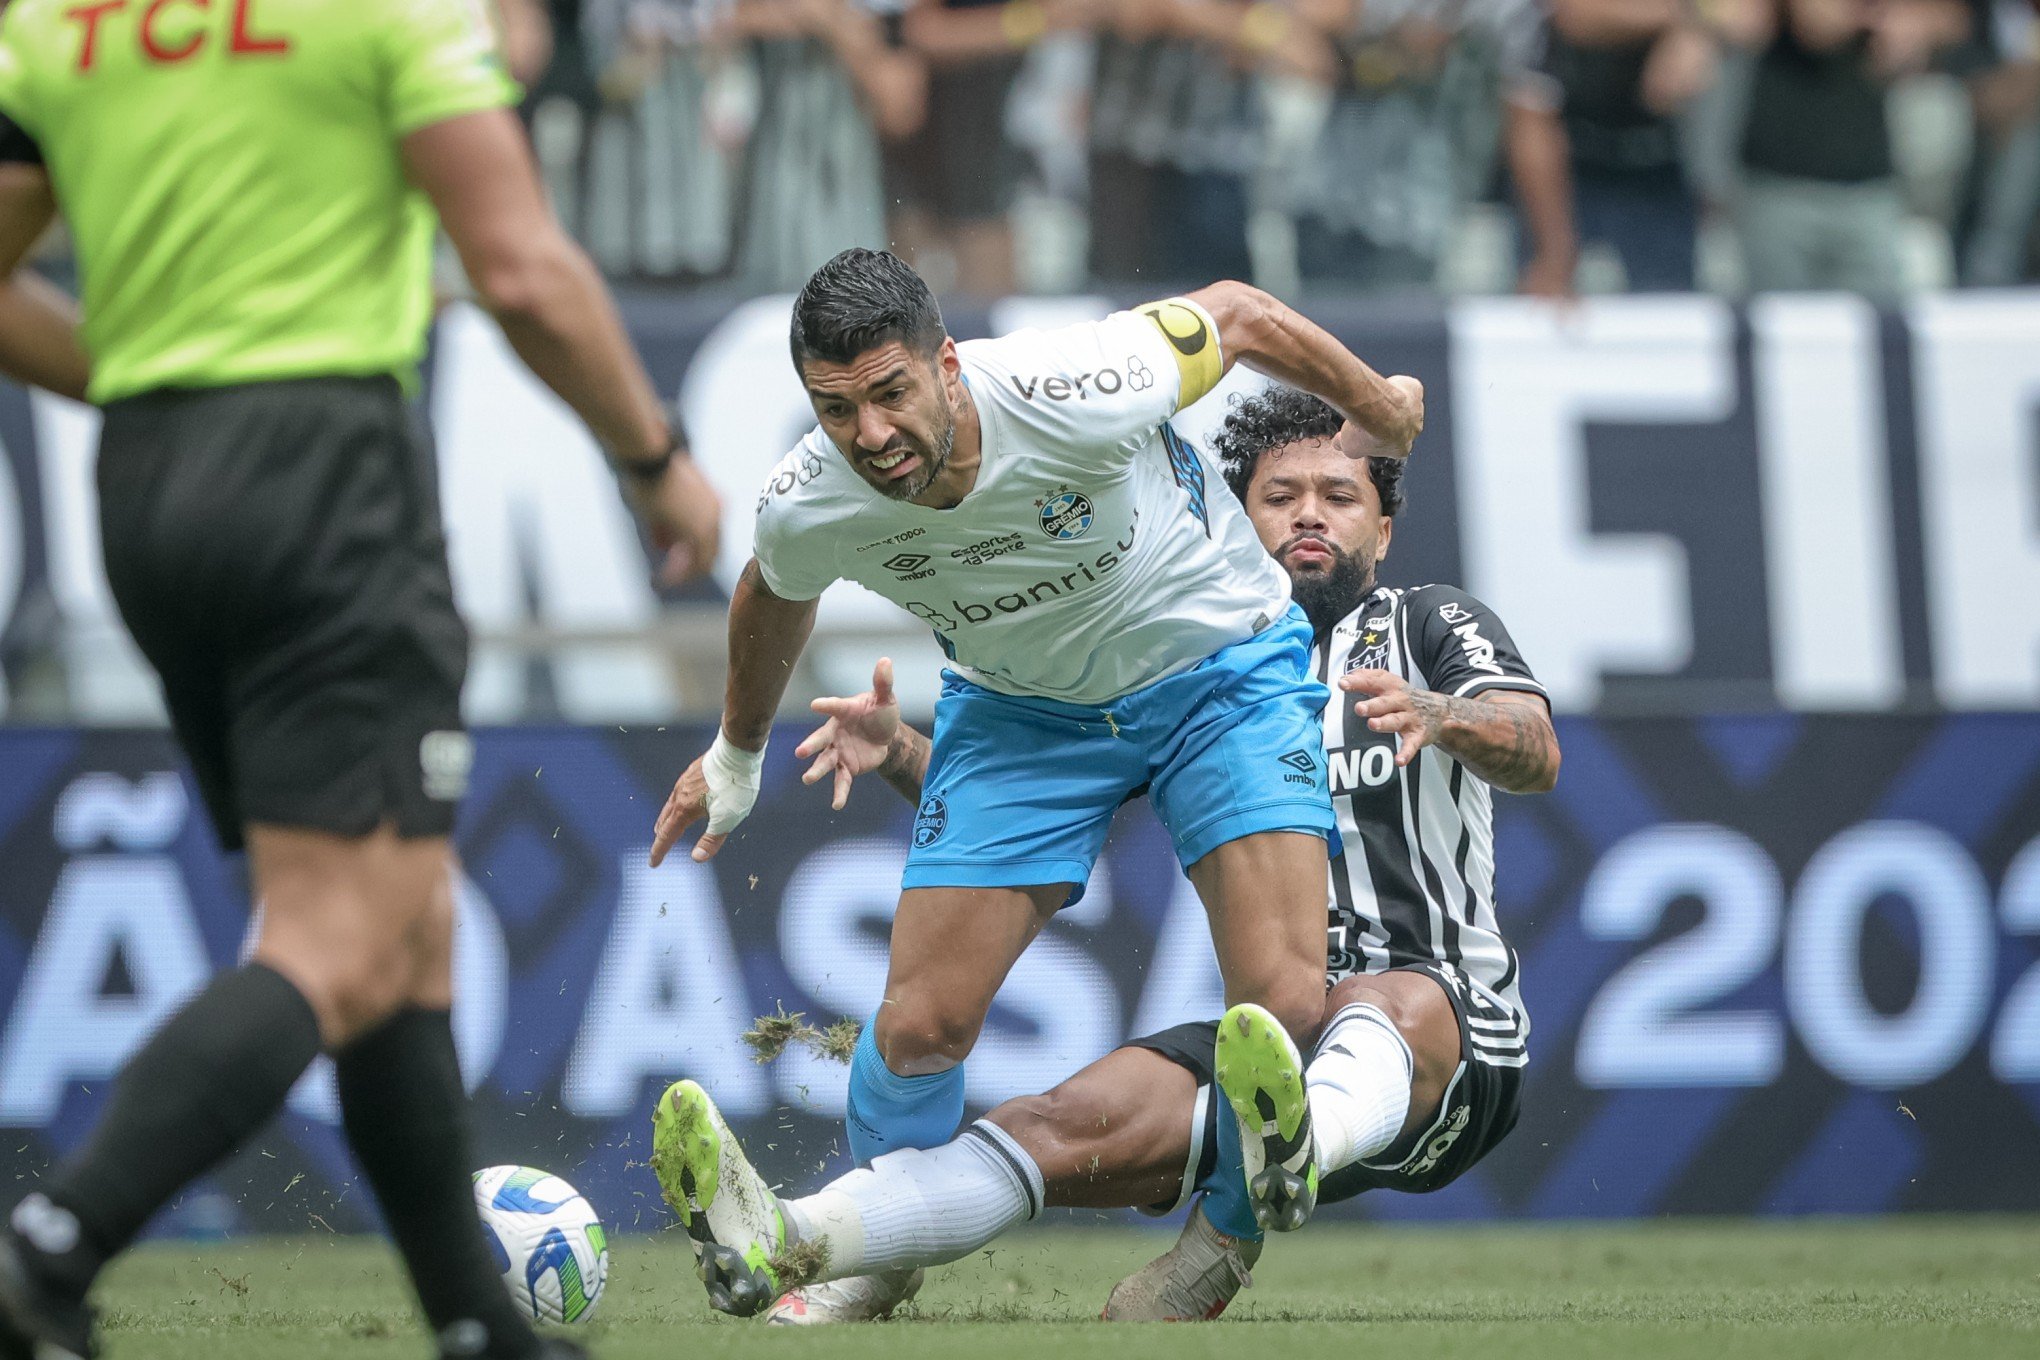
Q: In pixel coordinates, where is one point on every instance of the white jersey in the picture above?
(1098, 552)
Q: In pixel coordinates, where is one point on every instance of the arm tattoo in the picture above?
(906, 764)
(1510, 745)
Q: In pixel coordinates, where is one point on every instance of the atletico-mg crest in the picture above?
(1065, 514)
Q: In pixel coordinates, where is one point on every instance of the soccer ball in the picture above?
(547, 1241)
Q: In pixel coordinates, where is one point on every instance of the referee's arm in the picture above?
(559, 317)
(38, 324)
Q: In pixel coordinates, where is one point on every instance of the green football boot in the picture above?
(732, 1217)
(1261, 1073)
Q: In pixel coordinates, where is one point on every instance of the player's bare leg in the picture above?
(1119, 1134)
(1116, 1135)
(1265, 897)
(352, 922)
(951, 950)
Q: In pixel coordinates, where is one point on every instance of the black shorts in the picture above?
(1481, 1104)
(276, 551)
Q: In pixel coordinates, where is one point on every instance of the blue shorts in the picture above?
(1020, 791)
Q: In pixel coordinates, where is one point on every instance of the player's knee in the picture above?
(364, 992)
(1412, 1002)
(1299, 1006)
(1420, 1011)
(351, 988)
(916, 1037)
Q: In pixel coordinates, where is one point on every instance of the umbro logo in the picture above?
(1300, 760)
(907, 562)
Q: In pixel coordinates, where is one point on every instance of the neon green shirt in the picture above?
(231, 175)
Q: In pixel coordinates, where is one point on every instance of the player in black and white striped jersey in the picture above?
(1419, 1070)
(1444, 710)
(1416, 881)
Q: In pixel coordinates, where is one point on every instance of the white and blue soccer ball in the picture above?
(547, 1240)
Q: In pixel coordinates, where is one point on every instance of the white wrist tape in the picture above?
(733, 775)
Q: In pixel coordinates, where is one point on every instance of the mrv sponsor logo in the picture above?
(946, 618)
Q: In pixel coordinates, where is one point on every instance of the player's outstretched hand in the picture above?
(1417, 716)
(684, 807)
(858, 735)
(722, 784)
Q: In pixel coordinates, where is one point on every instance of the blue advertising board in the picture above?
(1779, 964)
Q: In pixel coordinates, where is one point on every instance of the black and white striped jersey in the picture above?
(1415, 879)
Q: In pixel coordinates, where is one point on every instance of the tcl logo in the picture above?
(170, 31)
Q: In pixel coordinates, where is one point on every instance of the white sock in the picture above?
(920, 1206)
(1359, 1086)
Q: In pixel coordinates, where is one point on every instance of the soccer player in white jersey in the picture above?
(1113, 627)
(1418, 1075)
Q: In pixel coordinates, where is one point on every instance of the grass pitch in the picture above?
(1851, 1290)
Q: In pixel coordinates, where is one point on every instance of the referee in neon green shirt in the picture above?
(251, 186)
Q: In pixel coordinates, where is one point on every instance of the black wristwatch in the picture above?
(652, 469)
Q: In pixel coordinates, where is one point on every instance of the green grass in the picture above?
(1851, 1290)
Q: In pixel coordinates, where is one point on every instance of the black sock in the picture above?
(406, 1116)
(213, 1075)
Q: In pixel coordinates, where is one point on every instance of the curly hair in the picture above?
(1279, 417)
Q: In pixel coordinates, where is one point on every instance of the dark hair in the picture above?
(860, 300)
(1281, 416)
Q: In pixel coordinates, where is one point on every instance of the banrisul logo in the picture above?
(1065, 514)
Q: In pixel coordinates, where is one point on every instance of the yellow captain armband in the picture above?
(1263, 26)
(1023, 23)
(1193, 340)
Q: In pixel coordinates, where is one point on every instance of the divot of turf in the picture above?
(770, 1034)
(798, 1263)
(839, 1041)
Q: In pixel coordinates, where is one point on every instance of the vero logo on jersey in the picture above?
(1077, 387)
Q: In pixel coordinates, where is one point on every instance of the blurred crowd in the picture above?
(1551, 146)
